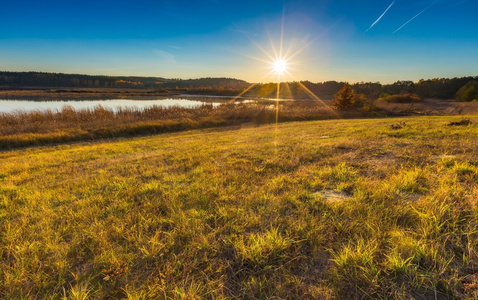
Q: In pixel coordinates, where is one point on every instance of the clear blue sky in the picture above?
(333, 39)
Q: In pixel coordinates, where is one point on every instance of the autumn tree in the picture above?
(347, 98)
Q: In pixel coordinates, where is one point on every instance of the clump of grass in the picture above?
(412, 181)
(355, 270)
(79, 292)
(259, 250)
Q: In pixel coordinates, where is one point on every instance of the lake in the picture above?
(31, 105)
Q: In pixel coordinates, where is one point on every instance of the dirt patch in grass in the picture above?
(332, 196)
(431, 107)
(411, 197)
(463, 122)
(442, 157)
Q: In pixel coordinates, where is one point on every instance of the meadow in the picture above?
(344, 209)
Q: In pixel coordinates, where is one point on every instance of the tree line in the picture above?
(464, 88)
(440, 88)
(60, 80)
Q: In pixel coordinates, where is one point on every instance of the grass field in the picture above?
(345, 209)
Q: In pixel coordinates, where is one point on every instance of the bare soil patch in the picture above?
(432, 107)
(332, 196)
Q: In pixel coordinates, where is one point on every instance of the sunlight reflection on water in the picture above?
(30, 105)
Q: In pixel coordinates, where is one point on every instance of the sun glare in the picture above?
(280, 66)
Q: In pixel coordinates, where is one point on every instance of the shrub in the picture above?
(468, 92)
(400, 98)
(347, 98)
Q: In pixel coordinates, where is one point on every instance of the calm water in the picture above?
(30, 105)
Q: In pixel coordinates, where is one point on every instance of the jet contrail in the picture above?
(412, 19)
(381, 16)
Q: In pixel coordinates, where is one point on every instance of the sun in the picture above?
(279, 66)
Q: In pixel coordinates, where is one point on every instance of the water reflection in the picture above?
(114, 104)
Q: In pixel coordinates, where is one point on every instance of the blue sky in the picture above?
(322, 39)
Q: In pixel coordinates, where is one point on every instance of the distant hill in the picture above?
(60, 80)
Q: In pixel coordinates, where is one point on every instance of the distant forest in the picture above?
(60, 80)
(442, 88)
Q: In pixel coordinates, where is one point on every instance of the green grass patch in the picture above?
(305, 210)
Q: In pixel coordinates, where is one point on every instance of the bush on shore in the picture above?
(400, 98)
(348, 99)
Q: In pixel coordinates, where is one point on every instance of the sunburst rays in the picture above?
(280, 56)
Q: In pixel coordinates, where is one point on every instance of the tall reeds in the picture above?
(25, 128)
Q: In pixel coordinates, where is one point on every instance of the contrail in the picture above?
(383, 14)
(411, 19)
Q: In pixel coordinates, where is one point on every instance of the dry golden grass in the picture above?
(246, 213)
(23, 129)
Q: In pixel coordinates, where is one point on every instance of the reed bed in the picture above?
(28, 128)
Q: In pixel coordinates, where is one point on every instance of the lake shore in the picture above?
(23, 128)
(52, 93)
(79, 93)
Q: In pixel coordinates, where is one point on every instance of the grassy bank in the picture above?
(23, 129)
(351, 209)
